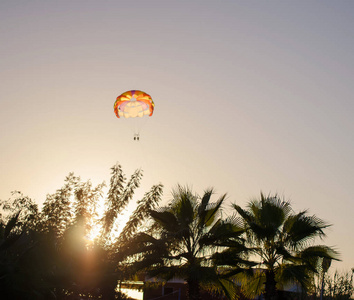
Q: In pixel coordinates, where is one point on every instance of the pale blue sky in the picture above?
(250, 96)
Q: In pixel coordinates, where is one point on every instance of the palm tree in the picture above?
(181, 241)
(325, 264)
(282, 243)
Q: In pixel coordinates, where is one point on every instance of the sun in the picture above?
(93, 234)
(96, 226)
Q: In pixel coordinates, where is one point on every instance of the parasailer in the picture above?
(134, 104)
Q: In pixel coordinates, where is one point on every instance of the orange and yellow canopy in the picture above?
(132, 104)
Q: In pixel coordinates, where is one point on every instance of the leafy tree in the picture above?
(94, 267)
(27, 210)
(281, 242)
(118, 198)
(49, 255)
(56, 213)
(22, 273)
(179, 242)
(141, 213)
(85, 204)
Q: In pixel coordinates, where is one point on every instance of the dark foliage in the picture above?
(47, 254)
(50, 253)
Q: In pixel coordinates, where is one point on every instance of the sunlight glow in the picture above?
(122, 219)
(94, 233)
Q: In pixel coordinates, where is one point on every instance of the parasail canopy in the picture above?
(134, 103)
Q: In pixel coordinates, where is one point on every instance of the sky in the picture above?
(250, 97)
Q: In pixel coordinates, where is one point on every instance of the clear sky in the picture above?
(250, 96)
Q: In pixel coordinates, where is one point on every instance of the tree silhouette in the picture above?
(179, 242)
(47, 253)
(282, 243)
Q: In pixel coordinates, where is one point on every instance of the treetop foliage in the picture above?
(50, 253)
(68, 248)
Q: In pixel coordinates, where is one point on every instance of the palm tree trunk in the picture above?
(322, 286)
(193, 289)
(270, 286)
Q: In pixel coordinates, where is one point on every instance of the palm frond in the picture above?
(229, 288)
(204, 204)
(234, 258)
(246, 216)
(301, 228)
(166, 219)
(252, 282)
(210, 212)
(319, 251)
(294, 273)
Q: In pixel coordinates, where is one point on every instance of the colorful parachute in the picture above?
(133, 104)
